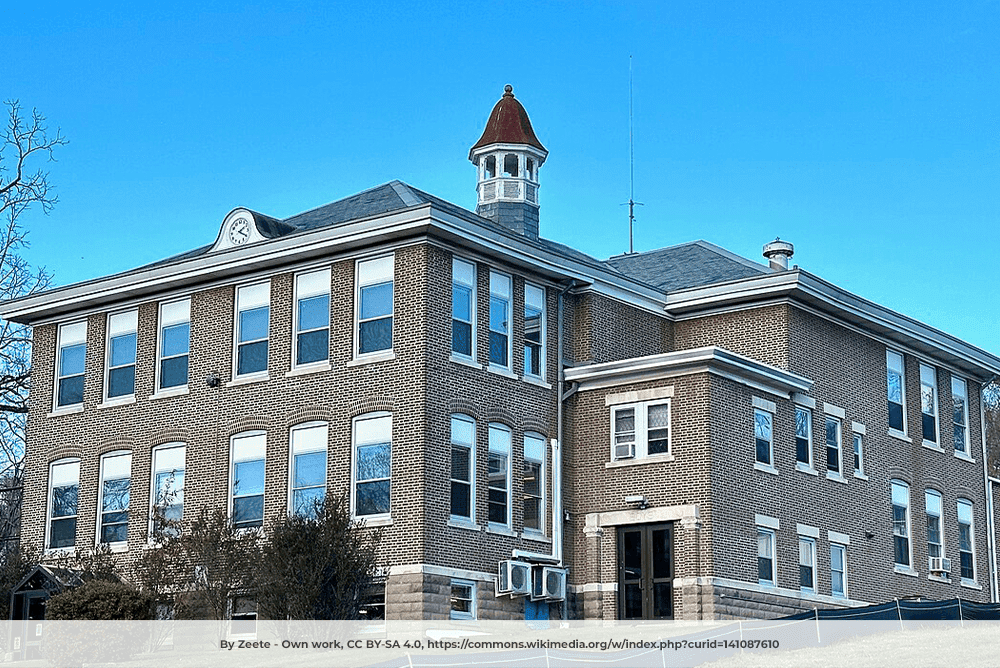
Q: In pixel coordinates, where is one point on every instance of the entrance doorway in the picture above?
(646, 571)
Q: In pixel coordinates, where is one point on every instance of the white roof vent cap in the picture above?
(778, 253)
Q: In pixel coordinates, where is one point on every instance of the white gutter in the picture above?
(990, 517)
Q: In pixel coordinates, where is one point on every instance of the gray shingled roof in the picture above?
(686, 266)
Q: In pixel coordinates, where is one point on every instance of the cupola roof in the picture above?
(508, 124)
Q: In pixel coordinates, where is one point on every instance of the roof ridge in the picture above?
(728, 254)
(388, 184)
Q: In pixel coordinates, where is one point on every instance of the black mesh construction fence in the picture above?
(909, 610)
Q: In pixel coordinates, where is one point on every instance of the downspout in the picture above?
(991, 538)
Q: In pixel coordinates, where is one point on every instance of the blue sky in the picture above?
(868, 134)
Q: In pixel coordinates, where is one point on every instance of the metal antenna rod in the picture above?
(631, 163)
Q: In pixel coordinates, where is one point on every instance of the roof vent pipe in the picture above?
(777, 253)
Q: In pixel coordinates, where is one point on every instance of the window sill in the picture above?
(501, 371)
(836, 477)
(938, 578)
(117, 401)
(638, 461)
(802, 468)
(456, 523)
(307, 369)
(765, 583)
(964, 457)
(536, 537)
(372, 358)
(115, 548)
(535, 380)
(373, 521)
(58, 552)
(901, 435)
(905, 570)
(501, 530)
(67, 410)
(178, 391)
(765, 468)
(465, 361)
(249, 379)
(860, 476)
(930, 445)
(971, 584)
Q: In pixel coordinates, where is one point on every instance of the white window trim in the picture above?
(835, 475)
(379, 519)
(940, 519)
(302, 426)
(768, 465)
(473, 607)
(176, 389)
(56, 407)
(641, 412)
(543, 333)
(902, 391)
(462, 519)
(510, 323)
(968, 582)
(317, 365)
(542, 474)
(474, 314)
(843, 547)
(772, 539)
(937, 409)
(858, 436)
(232, 474)
(385, 353)
(812, 542)
(904, 568)
(152, 479)
(966, 452)
(810, 466)
(122, 398)
(256, 375)
(50, 506)
(122, 544)
(506, 526)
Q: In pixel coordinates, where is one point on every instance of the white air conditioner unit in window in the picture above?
(549, 584)
(624, 450)
(939, 565)
(514, 578)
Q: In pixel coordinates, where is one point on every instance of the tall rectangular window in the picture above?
(463, 466)
(838, 570)
(116, 484)
(499, 475)
(762, 430)
(807, 564)
(72, 360)
(499, 320)
(168, 487)
(803, 436)
(312, 317)
(765, 556)
(859, 454)
(966, 536)
(253, 306)
(373, 465)
(248, 455)
(121, 354)
(895, 382)
(463, 308)
(932, 501)
(174, 344)
(833, 445)
(960, 415)
(928, 403)
(64, 488)
(901, 522)
(534, 331)
(534, 483)
(308, 468)
(374, 304)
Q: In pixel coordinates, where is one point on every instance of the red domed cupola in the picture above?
(507, 158)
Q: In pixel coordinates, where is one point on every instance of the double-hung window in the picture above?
(248, 453)
(534, 331)
(312, 318)
(174, 344)
(803, 436)
(498, 470)
(534, 483)
(833, 458)
(374, 304)
(373, 465)
(463, 467)
(116, 485)
(838, 570)
(859, 454)
(640, 430)
(253, 306)
(765, 556)
(499, 320)
(121, 354)
(932, 502)
(308, 468)
(168, 488)
(896, 389)
(763, 422)
(72, 360)
(807, 564)
(901, 523)
(960, 415)
(928, 403)
(966, 555)
(463, 308)
(64, 488)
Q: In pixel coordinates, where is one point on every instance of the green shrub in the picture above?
(100, 599)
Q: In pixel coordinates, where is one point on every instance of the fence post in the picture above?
(819, 641)
(899, 614)
(961, 617)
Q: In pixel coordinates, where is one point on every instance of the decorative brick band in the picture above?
(170, 436)
(115, 444)
(372, 405)
(502, 415)
(463, 406)
(241, 425)
(309, 414)
(531, 423)
(65, 451)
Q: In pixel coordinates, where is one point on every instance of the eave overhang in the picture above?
(711, 359)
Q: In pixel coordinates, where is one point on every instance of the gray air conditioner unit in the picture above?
(549, 584)
(939, 565)
(514, 578)
(624, 450)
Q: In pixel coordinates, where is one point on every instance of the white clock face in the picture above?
(239, 231)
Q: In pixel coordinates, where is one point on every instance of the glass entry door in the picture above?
(646, 571)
